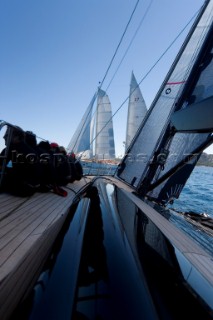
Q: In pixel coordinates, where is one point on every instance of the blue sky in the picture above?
(54, 54)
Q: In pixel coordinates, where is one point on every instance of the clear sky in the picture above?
(53, 54)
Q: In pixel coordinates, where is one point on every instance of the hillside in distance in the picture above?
(206, 160)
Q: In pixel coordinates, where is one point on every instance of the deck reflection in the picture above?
(112, 262)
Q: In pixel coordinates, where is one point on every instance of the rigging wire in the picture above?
(148, 72)
(86, 118)
(140, 24)
(110, 64)
(125, 30)
(133, 38)
(171, 44)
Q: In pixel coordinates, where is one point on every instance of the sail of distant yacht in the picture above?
(104, 140)
(81, 139)
(136, 110)
(94, 137)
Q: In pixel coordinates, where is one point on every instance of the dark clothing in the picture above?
(62, 169)
(28, 167)
(76, 169)
(22, 176)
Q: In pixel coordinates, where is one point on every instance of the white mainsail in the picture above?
(136, 110)
(104, 139)
(94, 137)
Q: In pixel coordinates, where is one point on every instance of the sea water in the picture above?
(197, 195)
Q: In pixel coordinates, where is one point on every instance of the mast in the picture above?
(136, 110)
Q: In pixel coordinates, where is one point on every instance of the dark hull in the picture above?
(117, 258)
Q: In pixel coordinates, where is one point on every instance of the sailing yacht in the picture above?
(110, 250)
(136, 110)
(94, 137)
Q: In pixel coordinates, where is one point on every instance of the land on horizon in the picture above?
(206, 160)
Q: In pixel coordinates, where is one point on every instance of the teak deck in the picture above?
(28, 228)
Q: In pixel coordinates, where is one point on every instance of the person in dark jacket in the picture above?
(61, 164)
(21, 172)
(76, 167)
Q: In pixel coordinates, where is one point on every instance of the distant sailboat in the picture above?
(136, 110)
(94, 137)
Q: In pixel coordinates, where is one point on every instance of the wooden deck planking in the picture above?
(22, 279)
(9, 204)
(28, 228)
(25, 214)
(33, 220)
